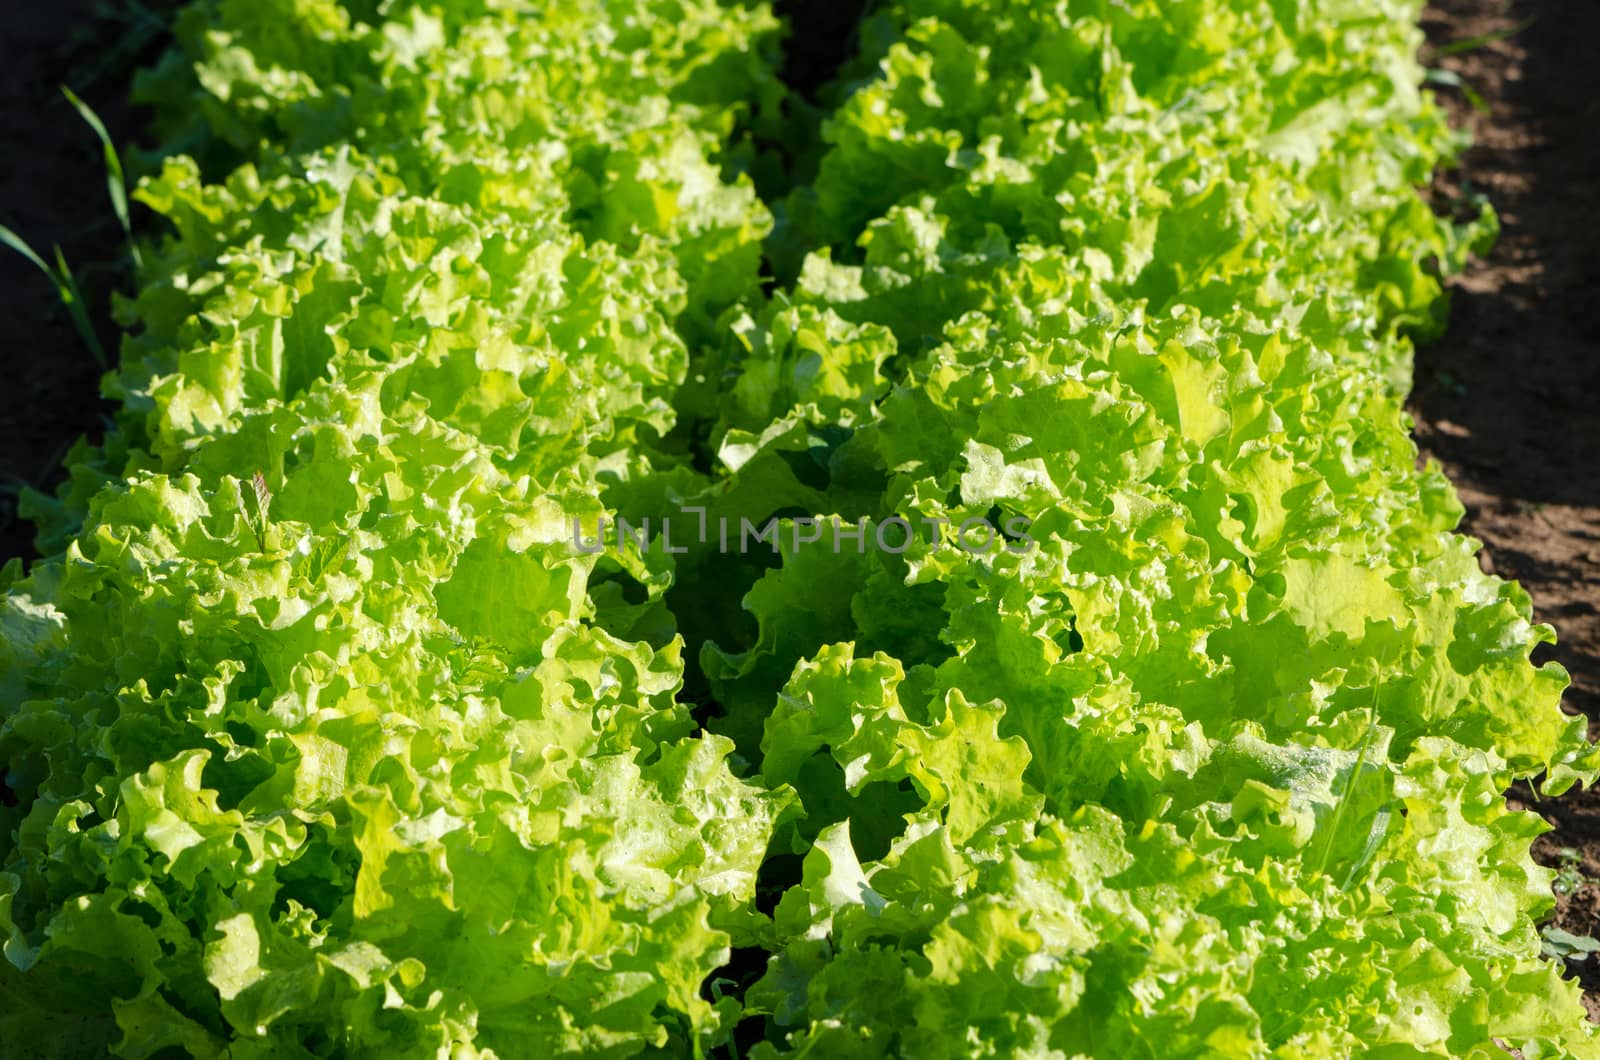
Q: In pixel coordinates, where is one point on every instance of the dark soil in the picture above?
(822, 38)
(1508, 401)
(53, 193)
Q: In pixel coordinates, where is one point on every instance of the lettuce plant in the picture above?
(334, 725)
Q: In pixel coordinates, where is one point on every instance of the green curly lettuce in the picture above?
(334, 725)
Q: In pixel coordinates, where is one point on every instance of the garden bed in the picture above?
(1505, 400)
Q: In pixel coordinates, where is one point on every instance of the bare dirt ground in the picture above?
(53, 193)
(1509, 400)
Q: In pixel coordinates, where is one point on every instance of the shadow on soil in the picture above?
(1516, 382)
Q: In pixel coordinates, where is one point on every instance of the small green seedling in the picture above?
(1566, 945)
(66, 288)
(1569, 874)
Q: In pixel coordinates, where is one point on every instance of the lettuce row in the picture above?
(367, 762)
(377, 760)
(1214, 770)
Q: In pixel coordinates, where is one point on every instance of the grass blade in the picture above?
(1474, 43)
(66, 288)
(1454, 80)
(16, 243)
(77, 307)
(1349, 787)
(116, 183)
